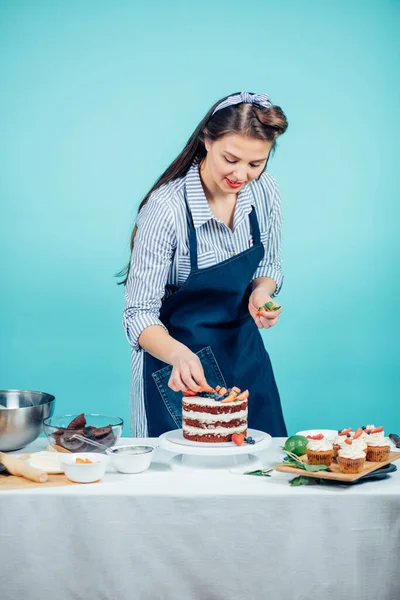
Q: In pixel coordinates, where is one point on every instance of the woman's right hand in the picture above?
(187, 373)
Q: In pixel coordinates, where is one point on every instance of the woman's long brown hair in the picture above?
(250, 120)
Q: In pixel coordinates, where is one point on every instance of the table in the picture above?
(164, 535)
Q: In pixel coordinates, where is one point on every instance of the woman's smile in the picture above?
(233, 184)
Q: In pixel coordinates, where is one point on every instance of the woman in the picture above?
(205, 257)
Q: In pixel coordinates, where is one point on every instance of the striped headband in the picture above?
(261, 99)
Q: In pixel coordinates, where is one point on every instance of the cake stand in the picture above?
(201, 456)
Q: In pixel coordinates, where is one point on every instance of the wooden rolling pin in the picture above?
(17, 466)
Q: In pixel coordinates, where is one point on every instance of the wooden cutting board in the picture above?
(335, 473)
(11, 482)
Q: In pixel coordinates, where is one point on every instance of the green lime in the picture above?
(297, 444)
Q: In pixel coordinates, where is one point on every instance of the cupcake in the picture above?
(351, 458)
(378, 447)
(348, 434)
(319, 450)
(340, 439)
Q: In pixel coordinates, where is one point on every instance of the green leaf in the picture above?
(293, 458)
(300, 480)
(269, 305)
(315, 468)
(260, 472)
(293, 463)
(303, 480)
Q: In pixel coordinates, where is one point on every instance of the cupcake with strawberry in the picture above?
(339, 440)
(319, 450)
(351, 457)
(378, 447)
(346, 434)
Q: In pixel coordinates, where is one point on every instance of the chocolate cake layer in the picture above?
(218, 409)
(210, 437)
(207, 425)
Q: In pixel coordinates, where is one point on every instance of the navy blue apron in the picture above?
(209, 314)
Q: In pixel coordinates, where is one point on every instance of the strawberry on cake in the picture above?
(214, 416)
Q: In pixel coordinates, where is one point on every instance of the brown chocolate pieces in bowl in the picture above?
(65, 438)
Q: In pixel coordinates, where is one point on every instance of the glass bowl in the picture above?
(104, 429)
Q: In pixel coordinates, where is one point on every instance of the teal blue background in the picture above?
(98, 98)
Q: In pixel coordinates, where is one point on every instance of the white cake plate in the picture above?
(201, 456)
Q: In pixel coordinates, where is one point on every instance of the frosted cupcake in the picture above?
(348, 434)
(319, 450)
(378, 447)
(340, 439)
(351, 458)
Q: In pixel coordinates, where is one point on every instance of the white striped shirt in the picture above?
(160, 260)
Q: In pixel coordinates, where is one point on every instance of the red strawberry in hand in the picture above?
(238, 438)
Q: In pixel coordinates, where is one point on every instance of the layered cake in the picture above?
(214, 416)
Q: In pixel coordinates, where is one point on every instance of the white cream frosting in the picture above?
(319, 445)
(370, 438)
(364, 433)
(376, 440)
(352, 451)
(360, 442)
(339, 439)
(208, 417)
(214, 430)
(208, 401)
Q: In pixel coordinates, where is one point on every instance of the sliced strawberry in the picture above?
(238, 438)
(229, 398)
(345, 431)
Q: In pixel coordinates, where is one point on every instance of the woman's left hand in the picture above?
(264, 318)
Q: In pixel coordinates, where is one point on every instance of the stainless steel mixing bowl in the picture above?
(21, 417)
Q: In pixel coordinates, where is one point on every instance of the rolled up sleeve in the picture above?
(151, 258)
(271, 264)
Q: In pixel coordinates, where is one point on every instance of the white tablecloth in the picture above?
(202, 536)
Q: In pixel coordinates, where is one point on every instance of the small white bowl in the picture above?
(329, 434)
(84, 473)
(131, 458)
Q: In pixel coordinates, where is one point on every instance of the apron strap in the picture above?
(192, 237)
(254, 226)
